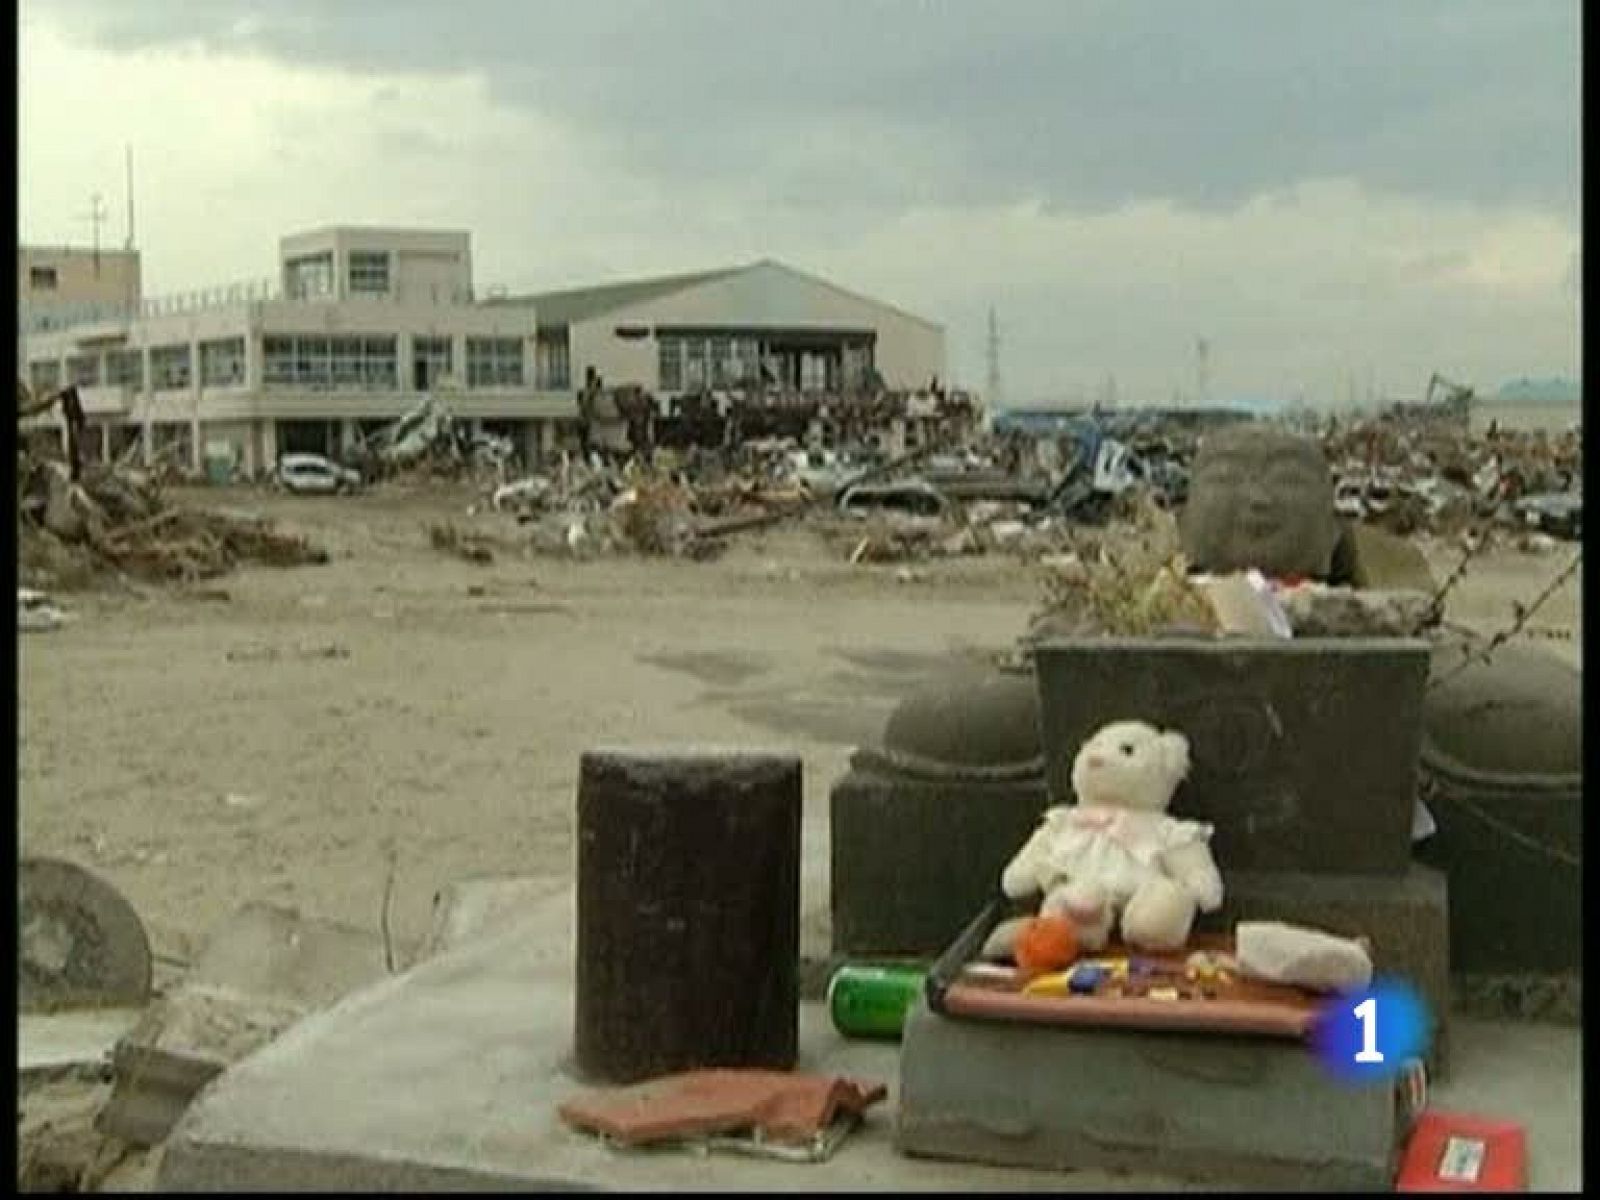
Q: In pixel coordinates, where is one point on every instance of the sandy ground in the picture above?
(276, 736)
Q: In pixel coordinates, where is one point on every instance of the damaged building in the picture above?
(363, 323)
(750, 351)
(358, 322)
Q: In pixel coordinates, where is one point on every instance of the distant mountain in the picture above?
(1551, 390)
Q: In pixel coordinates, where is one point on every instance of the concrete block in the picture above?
(688, 931)
(1514, 855)
(184, 1041)
(1304, 751)
(265, 950)
(913, 860)
(69, 1043)
(469, 909)
(1406, 919)
(262, 970)
(1223, 1111)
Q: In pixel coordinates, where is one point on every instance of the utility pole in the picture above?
(1202, 372)
(994, 362)
(130, 197)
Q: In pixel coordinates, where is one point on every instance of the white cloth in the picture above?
(1116, 848)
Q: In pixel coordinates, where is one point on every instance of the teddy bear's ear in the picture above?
(1175, 755)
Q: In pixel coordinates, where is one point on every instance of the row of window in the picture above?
(330, 362)
(306, 360)
(688, 363)
(312, 275)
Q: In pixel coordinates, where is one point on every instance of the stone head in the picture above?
(1260, 497)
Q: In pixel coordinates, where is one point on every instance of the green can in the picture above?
(872, 1002)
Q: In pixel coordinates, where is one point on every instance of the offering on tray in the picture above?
(1198, 989)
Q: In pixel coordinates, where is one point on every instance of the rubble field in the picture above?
(272, 734)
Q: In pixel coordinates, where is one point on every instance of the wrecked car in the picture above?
(1559, 514)
(313, 474)
(915, 496)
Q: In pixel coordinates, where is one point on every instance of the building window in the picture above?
(813, 372)
(277, 361)
(430, 361)
(222, 363)
(494, 362)
(369, 271)
(171, 367)
(319, 363)
(378, 366)
(42, 279)
(310, 276)
(695, 376)
(125, 368)
(746, 362)
(83, 370)
(670, 363)
(44, 376)
(553, 360)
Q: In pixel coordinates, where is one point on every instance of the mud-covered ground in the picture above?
(275, 735)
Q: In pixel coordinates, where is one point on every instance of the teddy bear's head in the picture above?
(1129, 764)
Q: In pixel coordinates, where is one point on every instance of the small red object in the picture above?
(1046, 944)
(1453, 1152)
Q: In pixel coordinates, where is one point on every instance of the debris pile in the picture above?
(76, 521)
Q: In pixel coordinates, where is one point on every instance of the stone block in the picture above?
(688, 925)
(1406, 918)
(1513, 849)
(913, 860)
(1304, 751)
(1222, 1111)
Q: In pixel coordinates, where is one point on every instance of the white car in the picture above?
(313, 473)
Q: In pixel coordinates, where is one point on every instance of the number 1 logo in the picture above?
(1370, 1035)
(1367, 1013)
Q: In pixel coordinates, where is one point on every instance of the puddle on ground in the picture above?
(721, 668)
(894, 662)
(845, 723)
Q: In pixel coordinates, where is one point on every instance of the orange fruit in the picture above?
(1046, 944)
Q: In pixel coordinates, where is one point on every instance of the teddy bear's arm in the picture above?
(1193, 867)
(1021, 878)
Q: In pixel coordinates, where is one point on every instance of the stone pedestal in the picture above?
(688, 922)
(1223, 1111)
(1502, 767)
(1406, 919)
(912, 861)
(1304, 751)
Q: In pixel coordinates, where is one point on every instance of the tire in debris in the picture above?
(81, 944)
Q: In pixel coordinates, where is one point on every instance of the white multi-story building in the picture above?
(361, 324)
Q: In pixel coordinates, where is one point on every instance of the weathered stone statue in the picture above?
(1263, 497)
(1260, 498)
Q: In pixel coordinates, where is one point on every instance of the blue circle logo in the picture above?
(1371, 1035)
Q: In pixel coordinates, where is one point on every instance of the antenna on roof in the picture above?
(96, 215)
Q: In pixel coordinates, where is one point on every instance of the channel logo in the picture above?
(1371, 1035)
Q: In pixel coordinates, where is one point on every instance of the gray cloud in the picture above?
(1081, 105)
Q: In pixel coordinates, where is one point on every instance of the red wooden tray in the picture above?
(1238, 1006)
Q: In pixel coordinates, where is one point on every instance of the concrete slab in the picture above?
(51, 1043)
(263, 969)
(449, 1076)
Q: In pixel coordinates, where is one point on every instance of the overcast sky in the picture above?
(1335, 194)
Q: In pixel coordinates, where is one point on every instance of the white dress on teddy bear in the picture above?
(1119, 849)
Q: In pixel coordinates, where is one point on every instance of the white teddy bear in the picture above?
(1116, 850)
